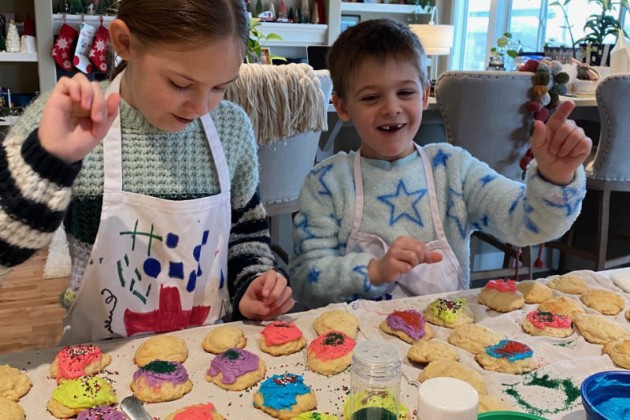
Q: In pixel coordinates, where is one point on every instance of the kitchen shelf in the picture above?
(295, 34)
(18, 57)
(75, 20)
(379, 8)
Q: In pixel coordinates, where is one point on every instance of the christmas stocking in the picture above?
(81, 54)
(63, 45)
(98, 53)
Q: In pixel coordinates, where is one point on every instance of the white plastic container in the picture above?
(447, 399)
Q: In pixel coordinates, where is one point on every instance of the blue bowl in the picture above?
(606, 395)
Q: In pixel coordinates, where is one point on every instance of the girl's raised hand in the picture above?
(266, 297)
(76, 117)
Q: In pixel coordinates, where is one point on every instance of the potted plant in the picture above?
(503, 54)
(256, 42)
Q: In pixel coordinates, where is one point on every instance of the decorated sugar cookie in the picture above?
(408, 325)
(160, 380)
(539, 322)
(281, 338)
(78, 360)
(449, 313)
(508, 356)
(13, 383)
(330, 353)
(285, 396)
(205, 411)
(501, 296)
(102, 412)
(75, 395)
(236, 369)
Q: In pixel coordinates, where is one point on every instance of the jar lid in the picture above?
(445, 398)
(376, 353)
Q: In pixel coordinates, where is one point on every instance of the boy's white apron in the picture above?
(423, 279)
(156, 265)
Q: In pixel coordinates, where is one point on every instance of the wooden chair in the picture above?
(607, 180)
(484, 112)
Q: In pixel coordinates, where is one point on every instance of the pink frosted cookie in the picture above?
(501, 296)
(408, 325)
(539, 322)
(205, 411)
(159, 381)
(236, 369)
(78, 360)
(330, 353)
(281, 338)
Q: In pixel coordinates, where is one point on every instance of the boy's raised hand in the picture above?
(266, 297)
(76, 117)
(559, 146)
(403, 255)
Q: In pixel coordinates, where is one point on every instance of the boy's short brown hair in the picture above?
(377, 38)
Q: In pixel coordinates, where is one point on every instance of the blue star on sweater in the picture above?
(486, 179)
(440, 158)
(321, 172)
(303, 226)
(571, 200)
(362, 270)
(400, 200)
(313, 275)
(451, 212)
(518, 199)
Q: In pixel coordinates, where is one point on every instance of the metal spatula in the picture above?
(134, 409)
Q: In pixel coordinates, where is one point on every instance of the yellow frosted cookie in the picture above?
(281, 338)
(78, 360)
(603, 301)
(222, 338)
(13, 383)
(330, 353)
(507, 356)
(619, 352)
(197, 411)
(563, 306)
(473, 337)
(534, 291)
(75, 395)
(161, 347)
(10, 410)
(285, 396)
(548, 324)
(501, 296)
(159, 381)
(598, 330)
(449, 313)
(338, 320)
(451, 369)
(569, 283)
(236, 369)
(409, 325)
(429, 351)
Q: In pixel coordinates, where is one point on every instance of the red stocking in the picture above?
(62, 50)
(100, 47)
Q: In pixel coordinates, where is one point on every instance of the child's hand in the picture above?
(76, 117)
(267, 296)
(559, 146)
(404, 254)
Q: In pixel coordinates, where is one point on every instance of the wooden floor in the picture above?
(30, 313)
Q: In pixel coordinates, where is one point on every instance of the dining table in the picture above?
(551, 391)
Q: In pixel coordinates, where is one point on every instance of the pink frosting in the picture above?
(504, 286)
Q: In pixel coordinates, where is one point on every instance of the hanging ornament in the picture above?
(100, 49)
(81, 54)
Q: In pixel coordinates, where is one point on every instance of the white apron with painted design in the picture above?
(423, 279)
(156, 265)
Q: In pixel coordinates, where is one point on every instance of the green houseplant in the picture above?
(257, 40)
(599, 25)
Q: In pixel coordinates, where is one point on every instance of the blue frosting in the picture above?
(280, 391)
(510, 350)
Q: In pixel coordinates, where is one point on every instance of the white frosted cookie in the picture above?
(197, 411)
(501, 296)
(236, 369)
(337, 320)
(10, 410)
(449, 313)
(160, 381)
(534, 291)
(598, 330)
(603, 301)
(507, 356)
(223, 338)
(619, 351)
(78, 360)
(548, 324)
(281, 338)
(409, 325)
(562, 305)
(161, 347)
(429, 351)
(330, 353)
(13, 383)
(297, 397)
(473, 337)
(451, 369)
(569, 283)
